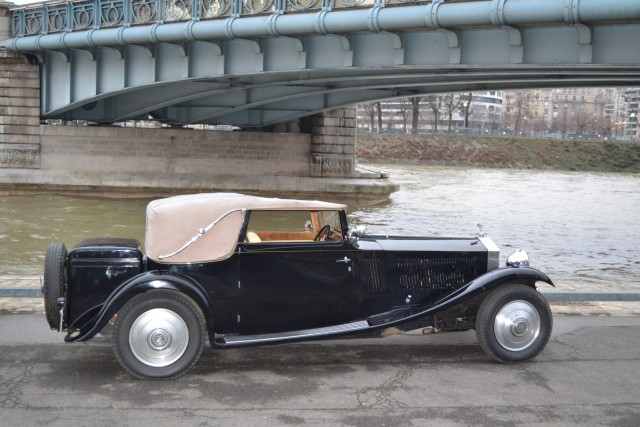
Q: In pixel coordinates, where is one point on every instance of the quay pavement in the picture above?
(587, 375)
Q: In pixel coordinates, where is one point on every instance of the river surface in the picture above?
(580, 228)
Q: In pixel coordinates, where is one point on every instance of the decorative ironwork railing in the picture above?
(56, 17)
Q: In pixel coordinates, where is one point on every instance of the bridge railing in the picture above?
(58, 17)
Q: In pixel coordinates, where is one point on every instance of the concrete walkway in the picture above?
(587, 375)
(590, 308)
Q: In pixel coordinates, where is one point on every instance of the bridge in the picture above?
(254, 63)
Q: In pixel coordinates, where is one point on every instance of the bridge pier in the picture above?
(333, 143)
(19, 105)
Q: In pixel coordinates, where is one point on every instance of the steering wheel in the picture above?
(326, 229)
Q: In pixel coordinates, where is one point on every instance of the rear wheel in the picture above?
(514, 323)
(159, 335)
(54, 283)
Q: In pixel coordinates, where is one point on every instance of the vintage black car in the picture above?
(244, 270)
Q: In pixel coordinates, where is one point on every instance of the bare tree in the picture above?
(435, 103)
(415, 114)
(452, 103)
(517, 111)
(583, 119)
(404, 108)
(379, 112)
(370, 111)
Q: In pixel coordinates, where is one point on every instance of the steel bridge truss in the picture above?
(254, 63)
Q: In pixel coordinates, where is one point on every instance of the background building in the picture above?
(577, 113)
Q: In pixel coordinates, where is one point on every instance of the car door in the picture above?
(292, 285)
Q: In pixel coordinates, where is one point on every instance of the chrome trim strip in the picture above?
(303, 333)
(493, 252)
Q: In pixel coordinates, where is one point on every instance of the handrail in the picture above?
(88, 24)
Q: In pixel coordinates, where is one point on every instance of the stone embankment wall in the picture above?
(101, 149)
(454, 150)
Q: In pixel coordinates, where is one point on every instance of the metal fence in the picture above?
(54, 17)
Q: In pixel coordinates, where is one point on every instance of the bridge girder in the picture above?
(257, 81)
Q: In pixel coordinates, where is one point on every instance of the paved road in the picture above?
(589, 373)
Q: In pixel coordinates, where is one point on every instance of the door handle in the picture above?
(345, 260)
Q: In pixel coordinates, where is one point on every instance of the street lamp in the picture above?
(465, 106)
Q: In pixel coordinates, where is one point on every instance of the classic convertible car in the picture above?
(243, 270)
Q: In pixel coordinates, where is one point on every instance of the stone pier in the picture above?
(19, 105)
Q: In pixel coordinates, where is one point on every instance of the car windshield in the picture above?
(293, 226)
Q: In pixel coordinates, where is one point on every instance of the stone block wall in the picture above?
(19, 112)
(143, 151)
(333, 137)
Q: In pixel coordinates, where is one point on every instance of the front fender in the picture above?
(93, 320)
(526, 275)
(492, 279)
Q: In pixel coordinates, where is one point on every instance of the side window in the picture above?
(293, 226)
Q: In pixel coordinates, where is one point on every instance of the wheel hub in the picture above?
(517, 325)
(520, 326)
(158, 337)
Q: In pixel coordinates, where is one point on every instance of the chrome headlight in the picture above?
(518, 259)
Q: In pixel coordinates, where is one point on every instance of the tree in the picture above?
(415, 116)
(404, 108)
(435, 104)
(379, 111)
(583, 119)
(519, 106)
(452, 103)
(370, 111)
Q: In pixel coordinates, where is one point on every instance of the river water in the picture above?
(580, 228)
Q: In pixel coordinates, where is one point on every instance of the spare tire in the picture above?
(55, 280)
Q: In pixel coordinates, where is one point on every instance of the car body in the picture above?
(245, 270)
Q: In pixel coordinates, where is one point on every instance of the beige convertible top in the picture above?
(173, 222)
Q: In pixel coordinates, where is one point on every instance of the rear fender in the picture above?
(94, 319)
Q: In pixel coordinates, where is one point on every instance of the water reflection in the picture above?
(580, 228)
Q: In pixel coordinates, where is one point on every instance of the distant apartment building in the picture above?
(629, 114)
(478, 111)
(486, 111)
(561, 111)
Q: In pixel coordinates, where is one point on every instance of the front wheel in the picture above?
(514, 323)
(159, 335)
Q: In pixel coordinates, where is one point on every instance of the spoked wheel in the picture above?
(514, 323)
(159, 334)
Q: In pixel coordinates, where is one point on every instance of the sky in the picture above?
(24, 1)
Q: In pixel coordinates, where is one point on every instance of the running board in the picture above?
(303, 334)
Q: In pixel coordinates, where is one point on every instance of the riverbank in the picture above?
(499, 152)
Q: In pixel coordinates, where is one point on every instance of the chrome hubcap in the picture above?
(158, 337)
(517, 325)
